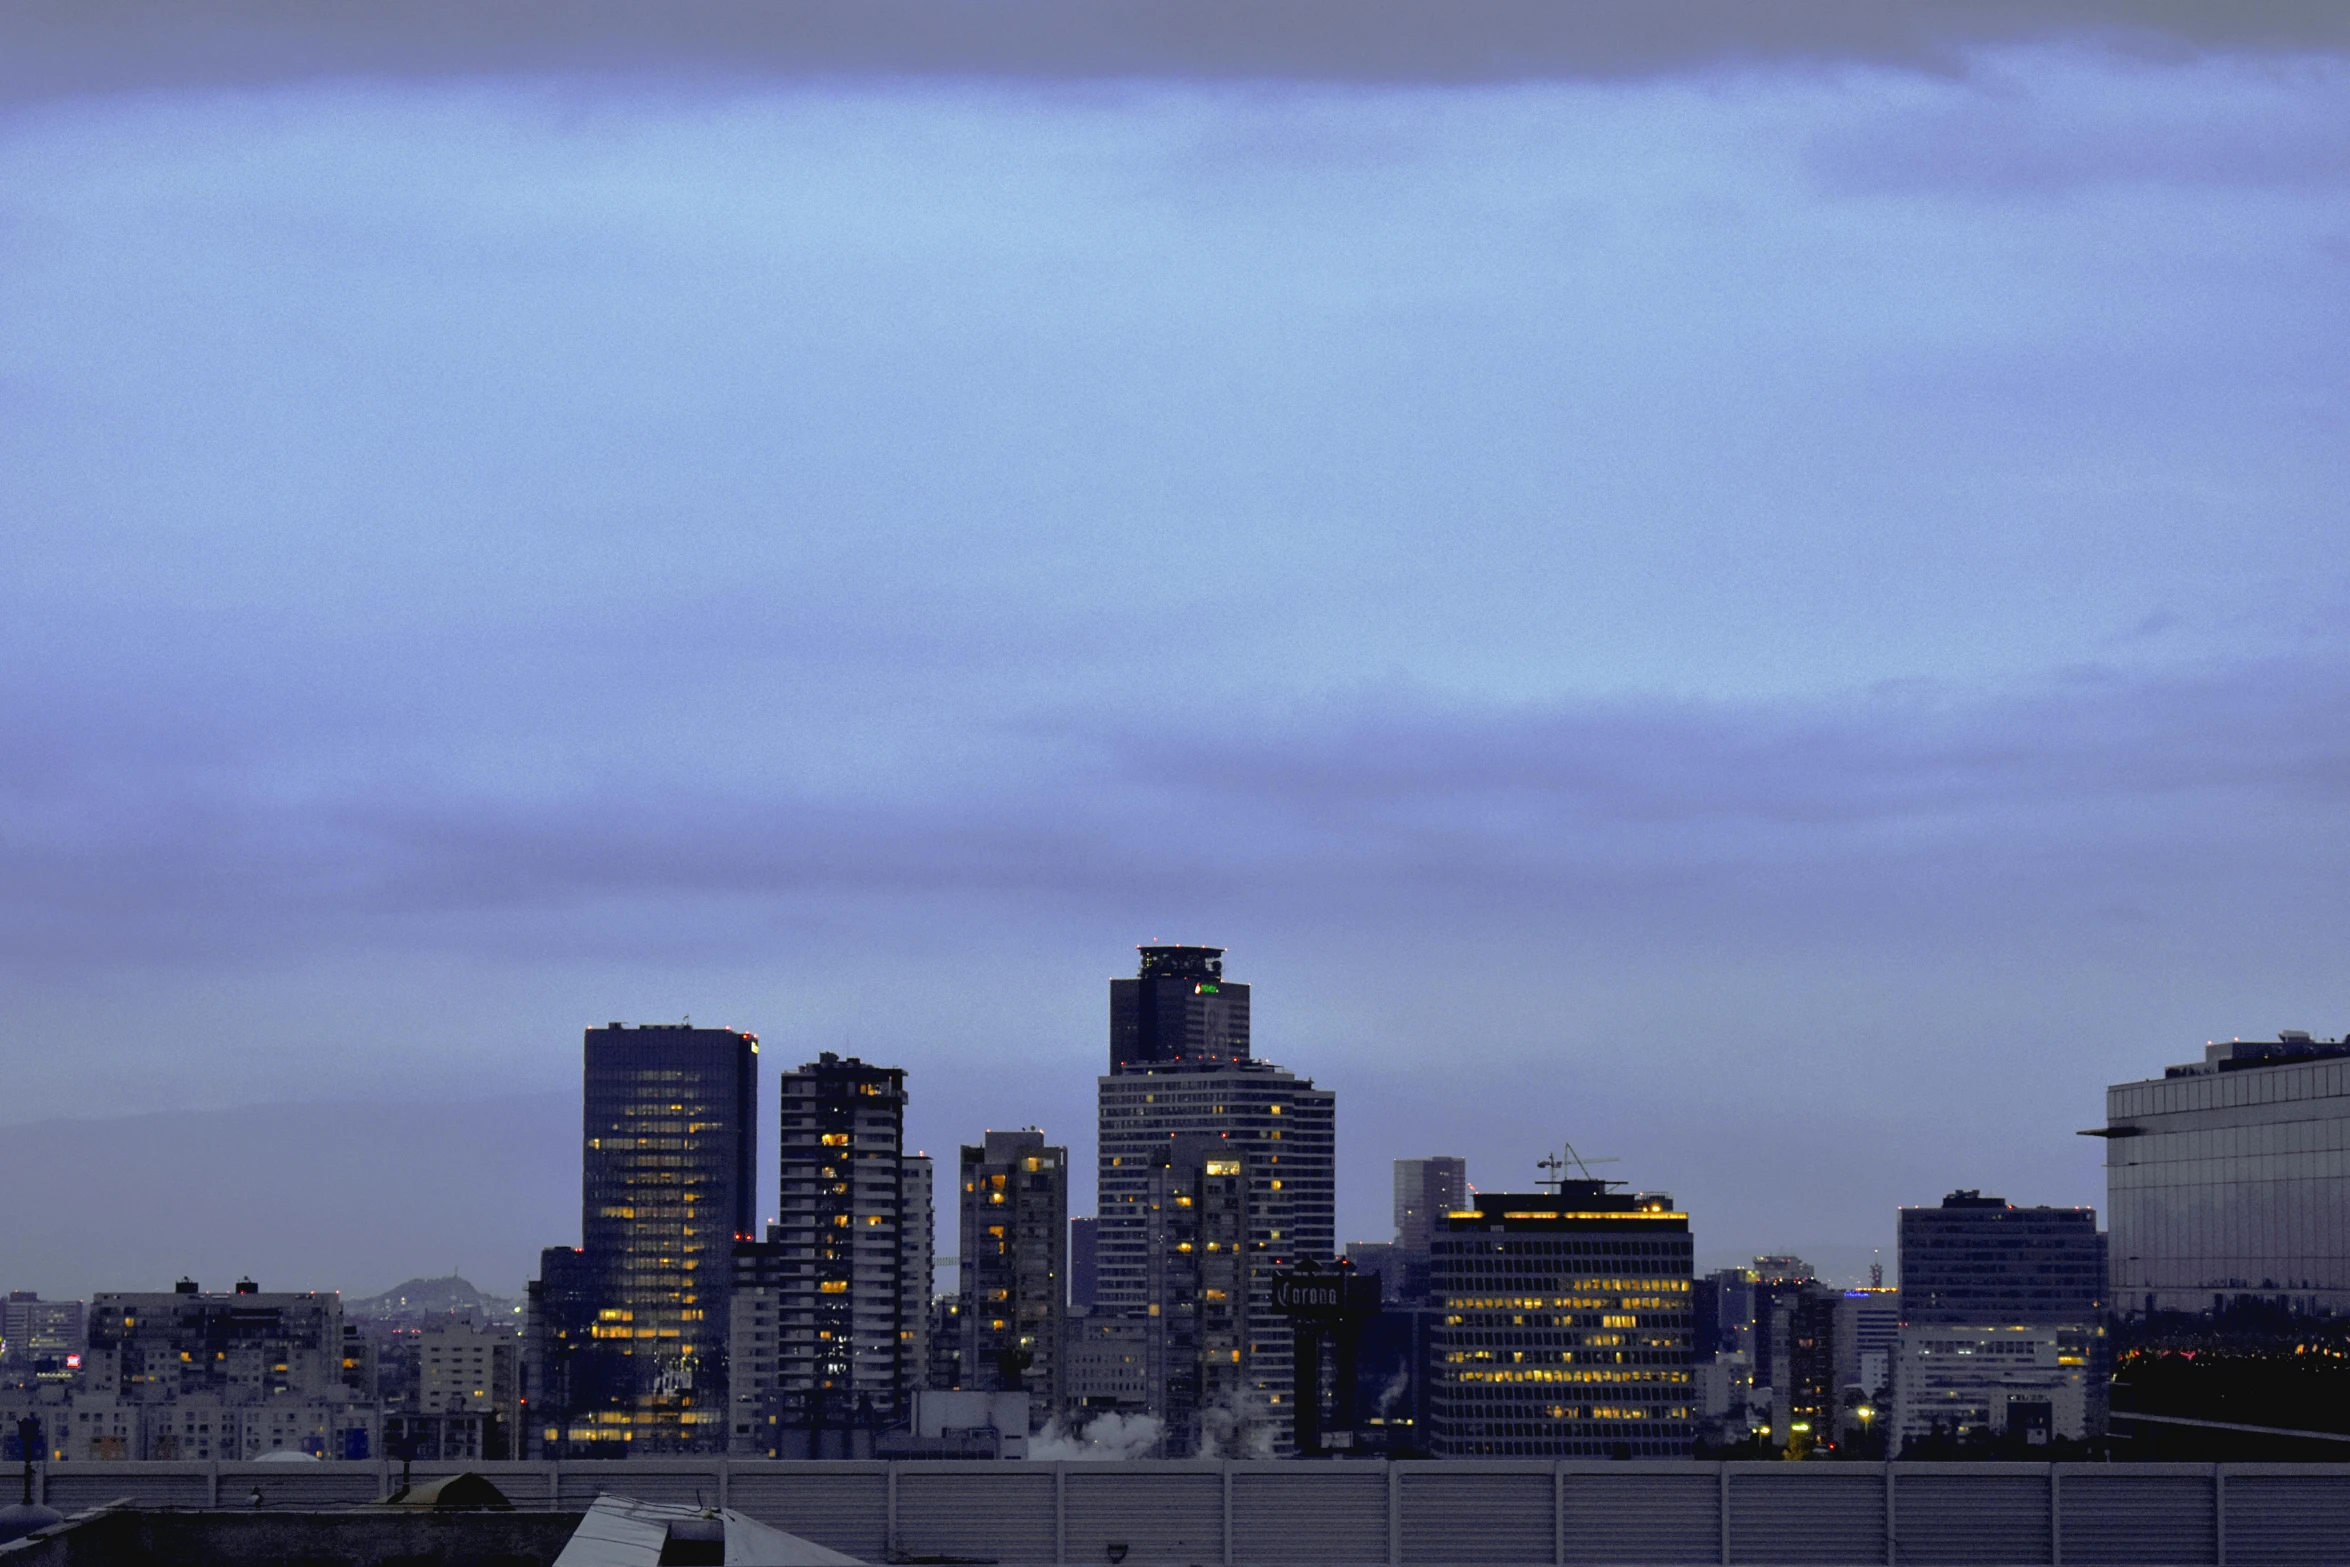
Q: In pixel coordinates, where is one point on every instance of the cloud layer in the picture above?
(1725, 618)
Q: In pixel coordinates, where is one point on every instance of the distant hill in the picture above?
(431, 1298)
(297, 1196)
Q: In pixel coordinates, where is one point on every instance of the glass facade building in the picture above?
(629, 1329)
(2231, 1176)
(1566, 1327)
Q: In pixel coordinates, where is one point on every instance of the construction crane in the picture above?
(1556, 1167)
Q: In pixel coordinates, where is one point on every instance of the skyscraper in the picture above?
(1015, 1266)
(855, 1263)
(1180, 1065)
(1566, 1327)
(1425, 1191)
(629, 1330)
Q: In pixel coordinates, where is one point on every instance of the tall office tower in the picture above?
(921, 1264)
(1179, 1064)
(845, 1346)
(629, 1330)
(1566, 1327)
(1425, 1191)
(1084, 1236)
(2223, 1177)
(1197, 1319)
(1179, 1008)
(1015, 1263)
(2002, 1323)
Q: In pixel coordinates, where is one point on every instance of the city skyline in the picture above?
(1364, 1215)
(1762, 593)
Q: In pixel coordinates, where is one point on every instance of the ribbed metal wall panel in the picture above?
(2139, 1515)
(1284, 1513)
(1810, 1513)
(844, 1506)
(1971, 1513)
(999, 1512)
(2287, 1520)
(1478, 1513)
(1631, 1515)
(1160, 1514)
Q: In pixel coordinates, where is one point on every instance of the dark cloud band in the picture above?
(102, 45)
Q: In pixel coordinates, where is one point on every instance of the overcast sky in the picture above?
(1767, 597)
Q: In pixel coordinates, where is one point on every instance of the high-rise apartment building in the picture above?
(854, 1227)
(1015, 1267)
(2002, 1323)
(628, 1337)
(1198, 1319)
(921, 1260)
(1180, 1066)
(2225, 1177)
(1802, 1333)
(1566, 1326)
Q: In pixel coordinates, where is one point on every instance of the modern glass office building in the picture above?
(2231, 1176)
(629, 1331)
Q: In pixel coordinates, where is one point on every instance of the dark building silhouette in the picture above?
(1803, 1358)
(1978, 1260)
(1178, 1008)
(1015, 1266)
(1566, 1327)
(627, 1352)
(1084, 1260)
(2002, 1332)
(1200, 1323)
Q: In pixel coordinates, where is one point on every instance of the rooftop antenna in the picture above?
(1556, 1165)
